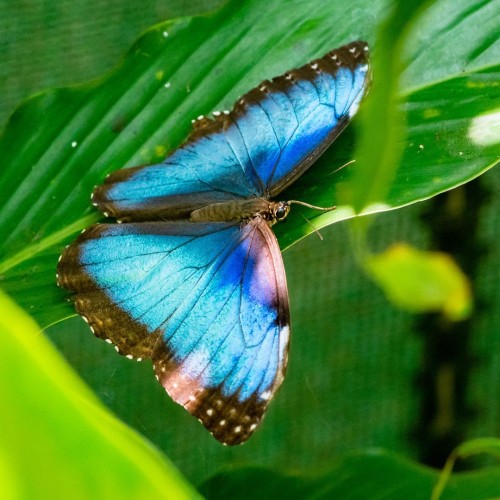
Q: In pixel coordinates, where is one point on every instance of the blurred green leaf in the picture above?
(381, 145)
(377, 474)
(420, 281)
(61, 143)
(57, 440)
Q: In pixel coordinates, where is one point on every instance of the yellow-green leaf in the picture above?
(422, 281)
(56, 439)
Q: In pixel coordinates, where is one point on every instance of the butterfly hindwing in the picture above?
(207, 302)
(273, 134)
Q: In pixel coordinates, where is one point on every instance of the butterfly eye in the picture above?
(281, 211)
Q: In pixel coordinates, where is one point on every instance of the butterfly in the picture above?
(192, 277)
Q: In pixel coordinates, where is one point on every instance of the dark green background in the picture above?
(354, 357)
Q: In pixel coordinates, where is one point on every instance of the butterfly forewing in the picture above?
(273, 134)
(296, 116)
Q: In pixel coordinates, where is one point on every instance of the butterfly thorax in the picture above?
(271, 211)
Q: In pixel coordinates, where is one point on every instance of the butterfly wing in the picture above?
(273, 134)
(206, 302)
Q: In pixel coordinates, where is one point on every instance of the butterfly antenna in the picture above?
(342, 166)
(314, 207)
(312, 225)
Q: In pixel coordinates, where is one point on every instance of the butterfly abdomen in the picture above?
(233, 210)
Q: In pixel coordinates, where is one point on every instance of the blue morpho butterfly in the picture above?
(193, 277)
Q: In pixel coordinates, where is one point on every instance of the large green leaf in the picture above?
(61, 143)
(57, 440)
(359, 476)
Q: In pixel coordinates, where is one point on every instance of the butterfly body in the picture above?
(193, 278)
(241, 210)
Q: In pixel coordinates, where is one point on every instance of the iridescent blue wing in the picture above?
(206, 302)
(273, 134)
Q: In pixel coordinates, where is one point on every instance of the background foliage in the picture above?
(354, 358)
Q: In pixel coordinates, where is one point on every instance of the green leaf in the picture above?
(377, 474)
(57, 440)
(420, 281)
(61, 143)
(381, 145)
